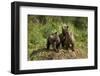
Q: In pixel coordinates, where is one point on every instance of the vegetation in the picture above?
(40, 27)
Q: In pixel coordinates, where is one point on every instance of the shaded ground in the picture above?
(44, 54)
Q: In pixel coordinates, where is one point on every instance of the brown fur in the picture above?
(66, 39)
(54, 41)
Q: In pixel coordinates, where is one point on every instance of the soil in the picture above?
(44, 54)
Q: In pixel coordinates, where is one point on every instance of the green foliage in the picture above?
(40, 27)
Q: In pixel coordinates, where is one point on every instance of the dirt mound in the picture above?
(43, 54)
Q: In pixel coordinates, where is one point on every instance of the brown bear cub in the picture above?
(66, 39)
(54, 41)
